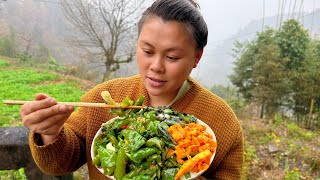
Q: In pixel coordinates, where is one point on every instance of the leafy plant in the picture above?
(8, 46)
(293, 41)
(266, 138)
(250, 155)
(296, 132)
(276, 120)
(55, 66)
(292, 175)
(13, 174)
(23, 84)
(3, 63)
(24, 56)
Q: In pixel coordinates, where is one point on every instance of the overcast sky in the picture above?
(225, 17)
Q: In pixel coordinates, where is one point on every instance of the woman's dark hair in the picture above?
(183, 11)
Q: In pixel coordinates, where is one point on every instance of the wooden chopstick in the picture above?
(79, 104)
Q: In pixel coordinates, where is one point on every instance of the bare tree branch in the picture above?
(104, 29)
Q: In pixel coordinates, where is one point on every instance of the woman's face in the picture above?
(166, 54)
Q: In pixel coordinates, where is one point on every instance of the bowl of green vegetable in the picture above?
(153, 143)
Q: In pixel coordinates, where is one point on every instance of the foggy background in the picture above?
(233, 20)
(228, 21)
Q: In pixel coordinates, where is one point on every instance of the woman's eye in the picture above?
(147, 51)
(172, 58)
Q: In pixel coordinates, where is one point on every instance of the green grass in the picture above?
(23, 84)
(296, 132)
(18, 83)
(265, 139)
(3, 63)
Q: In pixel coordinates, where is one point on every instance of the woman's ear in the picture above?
(198, 57)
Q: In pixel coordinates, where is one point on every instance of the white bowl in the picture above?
(193, 174)
(92, 149)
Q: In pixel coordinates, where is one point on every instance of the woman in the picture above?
(172, 35)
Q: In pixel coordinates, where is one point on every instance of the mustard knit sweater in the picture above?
(72, 147)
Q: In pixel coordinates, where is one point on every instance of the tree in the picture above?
(8, 46)
(258, 72)
(293, 41)
(281, 69)
(242, 76)
(28, 22)
(309, 81)
(105, 29)
(26, 26)
(268, 73)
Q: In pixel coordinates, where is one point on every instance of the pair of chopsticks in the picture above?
(78, 104)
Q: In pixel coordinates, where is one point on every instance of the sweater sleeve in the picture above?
(59, 157)
(231, 165)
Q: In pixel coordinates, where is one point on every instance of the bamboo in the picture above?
(310, 113)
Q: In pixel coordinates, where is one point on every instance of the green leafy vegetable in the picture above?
(135, 144)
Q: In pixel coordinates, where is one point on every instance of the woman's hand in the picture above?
(45, 117)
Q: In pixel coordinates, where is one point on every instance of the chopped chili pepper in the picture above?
(124, 127)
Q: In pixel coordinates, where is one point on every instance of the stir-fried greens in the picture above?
(138, 145)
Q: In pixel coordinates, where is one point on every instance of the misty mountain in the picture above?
(37, 22)
(217, 62)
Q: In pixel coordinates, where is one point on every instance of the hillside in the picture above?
(279, 149)
(22, 83)
(274, 149)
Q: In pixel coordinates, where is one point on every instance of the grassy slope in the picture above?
(19, 83)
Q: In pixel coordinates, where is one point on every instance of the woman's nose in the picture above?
(157, 65)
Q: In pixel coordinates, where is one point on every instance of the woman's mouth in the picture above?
(156, 82)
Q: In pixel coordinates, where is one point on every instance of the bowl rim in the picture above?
(193, 174)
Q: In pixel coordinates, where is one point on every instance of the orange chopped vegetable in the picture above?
(177, 132)
(170, 153)
(191, 163)
(194, 143)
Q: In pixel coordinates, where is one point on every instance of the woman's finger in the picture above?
(47, 114)
(40, 96)
(51, 123)
(34, 106)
